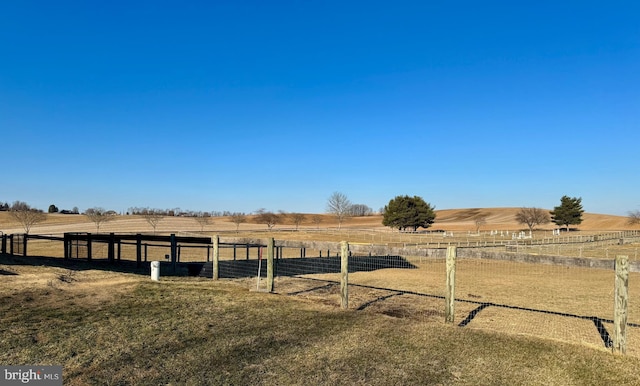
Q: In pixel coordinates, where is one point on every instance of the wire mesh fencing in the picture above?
(548, 299)
(566, 303)
(568, 299)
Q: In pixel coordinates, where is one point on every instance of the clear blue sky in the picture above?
(240, 105)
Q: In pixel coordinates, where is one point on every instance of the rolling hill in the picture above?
(447, 219)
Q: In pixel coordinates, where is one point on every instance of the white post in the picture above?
(155, 270)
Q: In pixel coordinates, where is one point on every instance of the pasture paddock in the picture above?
(559, 302)
(107, 327)
(569, 304)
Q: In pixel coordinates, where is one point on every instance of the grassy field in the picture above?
(458, 223)
(109, 328)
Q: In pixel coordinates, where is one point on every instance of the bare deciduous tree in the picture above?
(634, 217)
(268, 218)
(238, 218)
(360, 210)
(480, 221)
(532, 217)
(339, 205)
(99, 216)
(316, 219)
(297, 219)
(202, 218)
(153, 217)
(26, 215)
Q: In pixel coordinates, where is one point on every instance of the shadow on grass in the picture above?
(241, 268)
(231, 269)
(379, 299)
(598, 322)
(319, 288)
(122, 266)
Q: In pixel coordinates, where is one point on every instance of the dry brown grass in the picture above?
(573, 291)
(545, 301)
(118, 328)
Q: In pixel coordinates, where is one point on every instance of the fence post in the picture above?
(621, 305)
(174, 247)
(216, 257)
(89, 247)
(11, 244)
(66, 245)
(111, 252)
(344, 275)
(138, 250)
(24, 244)
(3, 248)
(450, 290)
(270, 246)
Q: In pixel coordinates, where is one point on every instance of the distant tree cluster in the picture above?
(4, 206)
(359, 210)
(177, 212)
(165, 212)
(404, 212)
(271, 219)
(75, 210)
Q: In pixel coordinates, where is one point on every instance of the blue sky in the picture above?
(240, 105)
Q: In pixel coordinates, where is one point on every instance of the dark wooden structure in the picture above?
(115, 241)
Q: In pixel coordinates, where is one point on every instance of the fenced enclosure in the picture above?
(514, 291)
(112, 247)
(556, 298)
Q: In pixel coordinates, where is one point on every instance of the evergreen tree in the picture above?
(405, 212)
(568, 213)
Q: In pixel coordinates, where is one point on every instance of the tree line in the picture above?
(405, 212)
(402, 213)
